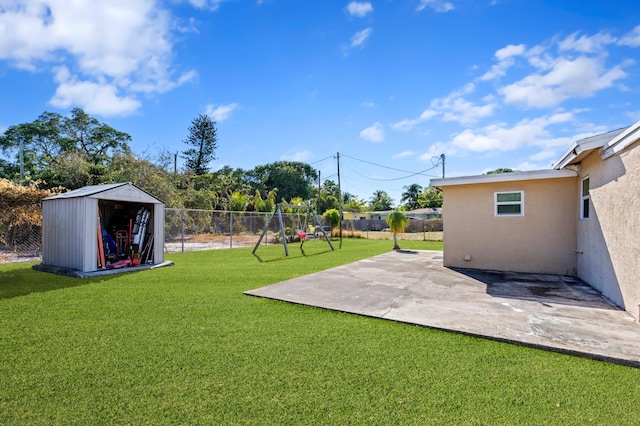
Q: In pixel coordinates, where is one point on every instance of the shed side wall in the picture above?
(610, 237)
(62, 228)
(158, 233)
(89, 244)
(541, 241)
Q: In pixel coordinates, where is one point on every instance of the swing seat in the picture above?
(303, 237)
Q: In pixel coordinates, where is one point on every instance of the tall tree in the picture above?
(501, 170)
(327, 196)
(53, 146)
(410, 196)
(204, 140)
(97, 141)
(351, 203)
(290, 178)
(380, 201)
(151, 177)
(430, 197)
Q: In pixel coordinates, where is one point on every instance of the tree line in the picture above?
(56, 151)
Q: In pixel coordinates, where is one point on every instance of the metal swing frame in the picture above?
(278, 211)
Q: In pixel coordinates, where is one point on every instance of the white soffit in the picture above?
(504, 177)
(583, 147)
(630, 136)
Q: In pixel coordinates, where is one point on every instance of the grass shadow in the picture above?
(19, 279)
(290, 257)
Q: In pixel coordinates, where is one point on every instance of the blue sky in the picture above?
(394, 83)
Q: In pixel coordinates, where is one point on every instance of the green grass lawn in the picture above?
(183, 345)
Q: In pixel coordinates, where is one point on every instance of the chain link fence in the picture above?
(190, 229)
(20, 242)
(418, 229)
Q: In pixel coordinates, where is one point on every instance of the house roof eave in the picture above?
(626, 138)
(504, 177)
(583, 147)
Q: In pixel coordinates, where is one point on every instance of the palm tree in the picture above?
(410, 196)
(380, 201)
(397, 221)
(238, 202)
(430, 197)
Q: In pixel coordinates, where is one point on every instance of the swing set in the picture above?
(315, 228)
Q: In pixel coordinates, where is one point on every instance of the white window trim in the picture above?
(496, 204)
(584, 197)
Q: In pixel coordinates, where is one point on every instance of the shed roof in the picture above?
(125, 191)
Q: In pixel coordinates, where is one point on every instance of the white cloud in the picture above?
(437, 5)
(547, 154)
(405, 154)
(211, 5)
(453, 107)
(302, 155)
(96, 98)
(432, 155)
(634, 115)
(509, 51)
(466, 113)
(359, 9)
(526, 133)
(368, 104)
(374, 133)
(632, 38)
(527, 165)
(222, 112)
(505, 57)
(359, 38)
(580, 77)
(586, 44)
(405, 125)
(111, 50)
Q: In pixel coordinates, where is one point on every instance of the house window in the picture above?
(584, 199)
(509, 203)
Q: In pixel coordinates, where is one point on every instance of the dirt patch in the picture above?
(214, 242)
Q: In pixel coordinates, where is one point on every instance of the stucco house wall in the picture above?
(553, 236)
(609, 240)
(542, 240)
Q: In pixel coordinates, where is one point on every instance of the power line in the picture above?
(411, 174)
(324, 159)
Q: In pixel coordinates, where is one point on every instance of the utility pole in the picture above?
(175, 164)
(442, 157)
(175, 169)
(339, 200)
(318, 199)
(21, 160)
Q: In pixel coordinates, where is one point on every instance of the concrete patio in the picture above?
(556, 313)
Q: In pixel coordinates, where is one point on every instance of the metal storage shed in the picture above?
(70, 233)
